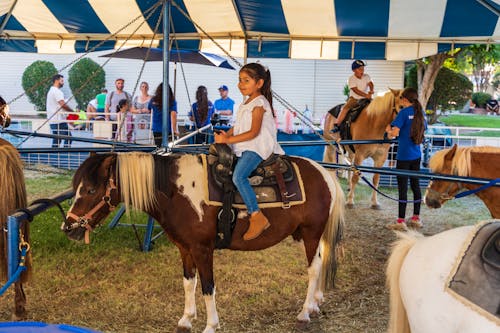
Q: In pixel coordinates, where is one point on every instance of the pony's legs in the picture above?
(189, 282)
(203, 259)
(378, 163)
(314, 295)
(19, 302)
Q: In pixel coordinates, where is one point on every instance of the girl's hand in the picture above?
(221, 137)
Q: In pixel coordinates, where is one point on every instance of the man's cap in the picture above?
(223, 87)
(357, 63)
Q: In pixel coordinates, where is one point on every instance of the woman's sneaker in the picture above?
(415, 222)
(400, 225)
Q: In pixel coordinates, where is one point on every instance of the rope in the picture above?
(385, 195)
(20, 269)
(483, 187)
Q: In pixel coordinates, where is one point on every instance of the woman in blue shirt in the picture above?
(201, 113)
(156, 106)
(409, 126)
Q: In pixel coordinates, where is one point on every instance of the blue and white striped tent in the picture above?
(302, 29)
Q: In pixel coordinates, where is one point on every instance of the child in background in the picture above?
(253, 138)
(123, 108)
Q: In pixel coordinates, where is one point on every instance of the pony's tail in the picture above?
(330, 243)
(398, 321)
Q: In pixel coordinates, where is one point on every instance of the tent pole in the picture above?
(166, 62)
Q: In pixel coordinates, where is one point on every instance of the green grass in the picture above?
(471, 121)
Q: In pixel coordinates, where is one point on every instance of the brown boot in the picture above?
(258, 223)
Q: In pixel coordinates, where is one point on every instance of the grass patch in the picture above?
(471, 121)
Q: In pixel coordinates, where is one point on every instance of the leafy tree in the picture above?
(86, 79)
(481, 62)
(37, 81)
(451, 90)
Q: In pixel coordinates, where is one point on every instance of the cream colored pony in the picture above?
(370, 125)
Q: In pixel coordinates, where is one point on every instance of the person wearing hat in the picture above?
(360, 86)
(224, 106)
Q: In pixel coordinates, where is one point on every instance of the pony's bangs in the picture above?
(136, 176)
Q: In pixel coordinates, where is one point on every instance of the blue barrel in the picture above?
(36, 327)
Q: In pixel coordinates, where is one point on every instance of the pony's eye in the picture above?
(91, 191)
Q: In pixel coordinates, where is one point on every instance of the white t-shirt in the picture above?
(361, 84)
(53, 97)
(266, 142)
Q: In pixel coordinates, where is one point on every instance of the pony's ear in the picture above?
(449, 155)
(107, 165)
(394, 91)
(92, 154)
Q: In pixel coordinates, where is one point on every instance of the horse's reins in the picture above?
(83, 221)
(446, 196)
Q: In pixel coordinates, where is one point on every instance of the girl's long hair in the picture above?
(202, 102)
(158, 97)
(257, 71)
(418, 123)
(121, 104)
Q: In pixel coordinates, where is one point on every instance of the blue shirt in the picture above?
(194, 113)
(157, 126)
(407, 149)
(224, 104)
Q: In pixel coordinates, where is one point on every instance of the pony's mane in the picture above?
(13, 197)
(136, 173)
(461, 163)
(380, 104)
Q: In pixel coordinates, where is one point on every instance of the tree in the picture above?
(86, 79)
(37, 81)
(480, 61)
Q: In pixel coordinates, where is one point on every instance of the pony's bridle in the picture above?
(446, 194)
(83, 221)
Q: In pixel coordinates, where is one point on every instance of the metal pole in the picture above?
(12, 246)
(166, 61)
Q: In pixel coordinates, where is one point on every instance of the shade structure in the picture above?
(304, 29)
(184, 56)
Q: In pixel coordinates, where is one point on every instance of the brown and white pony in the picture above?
(12, 197)
(172, 189)
(370, 125)
(479, 162)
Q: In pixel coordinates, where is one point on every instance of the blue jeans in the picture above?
(247, 163)
(60, 129)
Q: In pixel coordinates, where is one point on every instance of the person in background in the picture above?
(139, 105)
(201, 113)
(360, 86)
(156, 107)
(92, 110)
(55, 104)
(253, 139)
(224, 106)
(112, 100)
(409, 127)
(101, 101)
(123, 108)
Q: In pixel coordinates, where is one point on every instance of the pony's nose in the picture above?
(432, 202)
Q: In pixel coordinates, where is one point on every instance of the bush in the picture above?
(451, 89)
(36, 82)
(480, 99)
(86, 79)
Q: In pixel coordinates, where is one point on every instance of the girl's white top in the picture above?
(266, 142)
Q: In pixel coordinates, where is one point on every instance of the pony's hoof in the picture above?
(301, 325)
(376, 207)
(350, 206)
(181, 329)
(20, 316)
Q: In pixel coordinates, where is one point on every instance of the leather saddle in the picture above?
(352, 115)
(477, 277)
(275, 183)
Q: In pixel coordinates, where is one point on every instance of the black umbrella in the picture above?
(176, 55)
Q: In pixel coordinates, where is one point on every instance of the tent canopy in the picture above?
(302, 29)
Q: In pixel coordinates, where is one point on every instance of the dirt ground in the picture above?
(120, 289)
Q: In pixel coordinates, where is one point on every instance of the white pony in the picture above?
(418, 272)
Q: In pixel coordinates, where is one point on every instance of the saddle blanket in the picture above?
(267, 196)
(475, 279)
